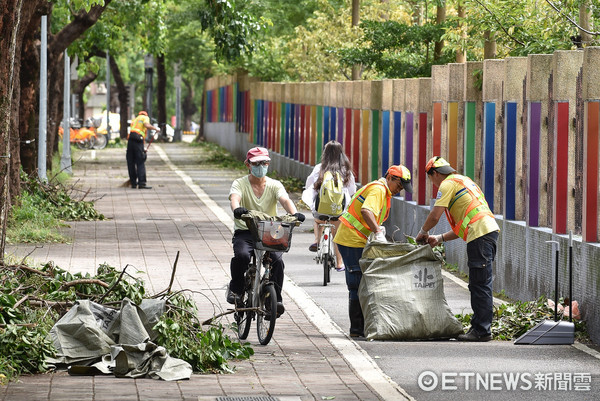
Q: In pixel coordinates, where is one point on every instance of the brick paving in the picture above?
(146, 229)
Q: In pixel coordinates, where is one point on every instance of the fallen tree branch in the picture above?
(114, 285)
(168, 289)
(84, 281)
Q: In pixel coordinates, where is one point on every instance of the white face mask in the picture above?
(259, 171)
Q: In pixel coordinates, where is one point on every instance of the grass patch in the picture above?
(42, 208)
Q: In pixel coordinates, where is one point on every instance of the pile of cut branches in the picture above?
(32, 300)
(512, 320)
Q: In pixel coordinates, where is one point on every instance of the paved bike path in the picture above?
(146, 229)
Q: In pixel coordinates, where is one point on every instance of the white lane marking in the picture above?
(360, 361)
(223, 216)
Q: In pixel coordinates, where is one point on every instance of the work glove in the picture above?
(239, 211)
(379, 236)
(300, 217)
(434, 240)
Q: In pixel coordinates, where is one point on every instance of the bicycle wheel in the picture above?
(99, 142)
(267, 314)
(326, 269)
(244, 318)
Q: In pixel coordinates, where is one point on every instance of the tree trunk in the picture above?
(585, 14)
(14, 26)
(122, 96)
(161, 90)
(57, 44)
(489, 47)
(355, 21)
(440, 19)
(80, 89)
(461, 54)
(188, 106)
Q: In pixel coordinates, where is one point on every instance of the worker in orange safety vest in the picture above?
(471, 219)
(368, 209)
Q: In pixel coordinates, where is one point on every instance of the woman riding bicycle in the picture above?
(335, 162)
(255, 191)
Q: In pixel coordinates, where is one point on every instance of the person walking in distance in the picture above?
(255, 191)
(335, 172)
(471, 220)
(368, 209)
(136, 155)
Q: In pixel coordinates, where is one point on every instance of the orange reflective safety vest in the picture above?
(352, 217)
(477, 209)
(137, 125)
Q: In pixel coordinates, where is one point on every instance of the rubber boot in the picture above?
(357, 321)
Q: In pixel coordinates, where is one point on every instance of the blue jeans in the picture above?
(351, 256)
(481, 253)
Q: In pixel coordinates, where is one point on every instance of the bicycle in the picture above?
(325, 248)
(259, 300)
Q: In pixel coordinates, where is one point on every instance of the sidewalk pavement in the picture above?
(146, 229)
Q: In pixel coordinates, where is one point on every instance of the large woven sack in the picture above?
(402, 293)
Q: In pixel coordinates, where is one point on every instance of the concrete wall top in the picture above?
(347, 98)
(333, 94)
(387, 94)
(471, 91)
(366, 97)
(493, 79)
(565, 67)
(326, 94)
(340, 88)
(456, 82)
(439, 84)
(412, 94)
(398, 88)
(539, 67)
(515, 74)
(424, 95)
(591, 72)
(319, 88)
(357, 94)
(376, 95)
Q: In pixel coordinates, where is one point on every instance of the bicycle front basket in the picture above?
(271, 235)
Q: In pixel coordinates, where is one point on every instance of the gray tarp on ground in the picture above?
(115, 341)
(402, 293)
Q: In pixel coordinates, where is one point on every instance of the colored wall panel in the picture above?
(534, 125)
(364, 142)
(397, 137)
(422, 157)
(356, 144)
(437, 129)
(375, 152)
(339, 135)
(470, 113)
(409, 147)
(453, 134)
(489, 136)
(348, 134)
(319, 144)
(510, 157)
(326, 125)
(561, 178)
(313, 135)
(385, 142)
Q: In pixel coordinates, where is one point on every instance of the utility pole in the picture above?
(65, 160)
(177, 135)
(107, 96)
(43, 124)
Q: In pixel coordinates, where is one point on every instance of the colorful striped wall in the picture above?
(515, 134)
